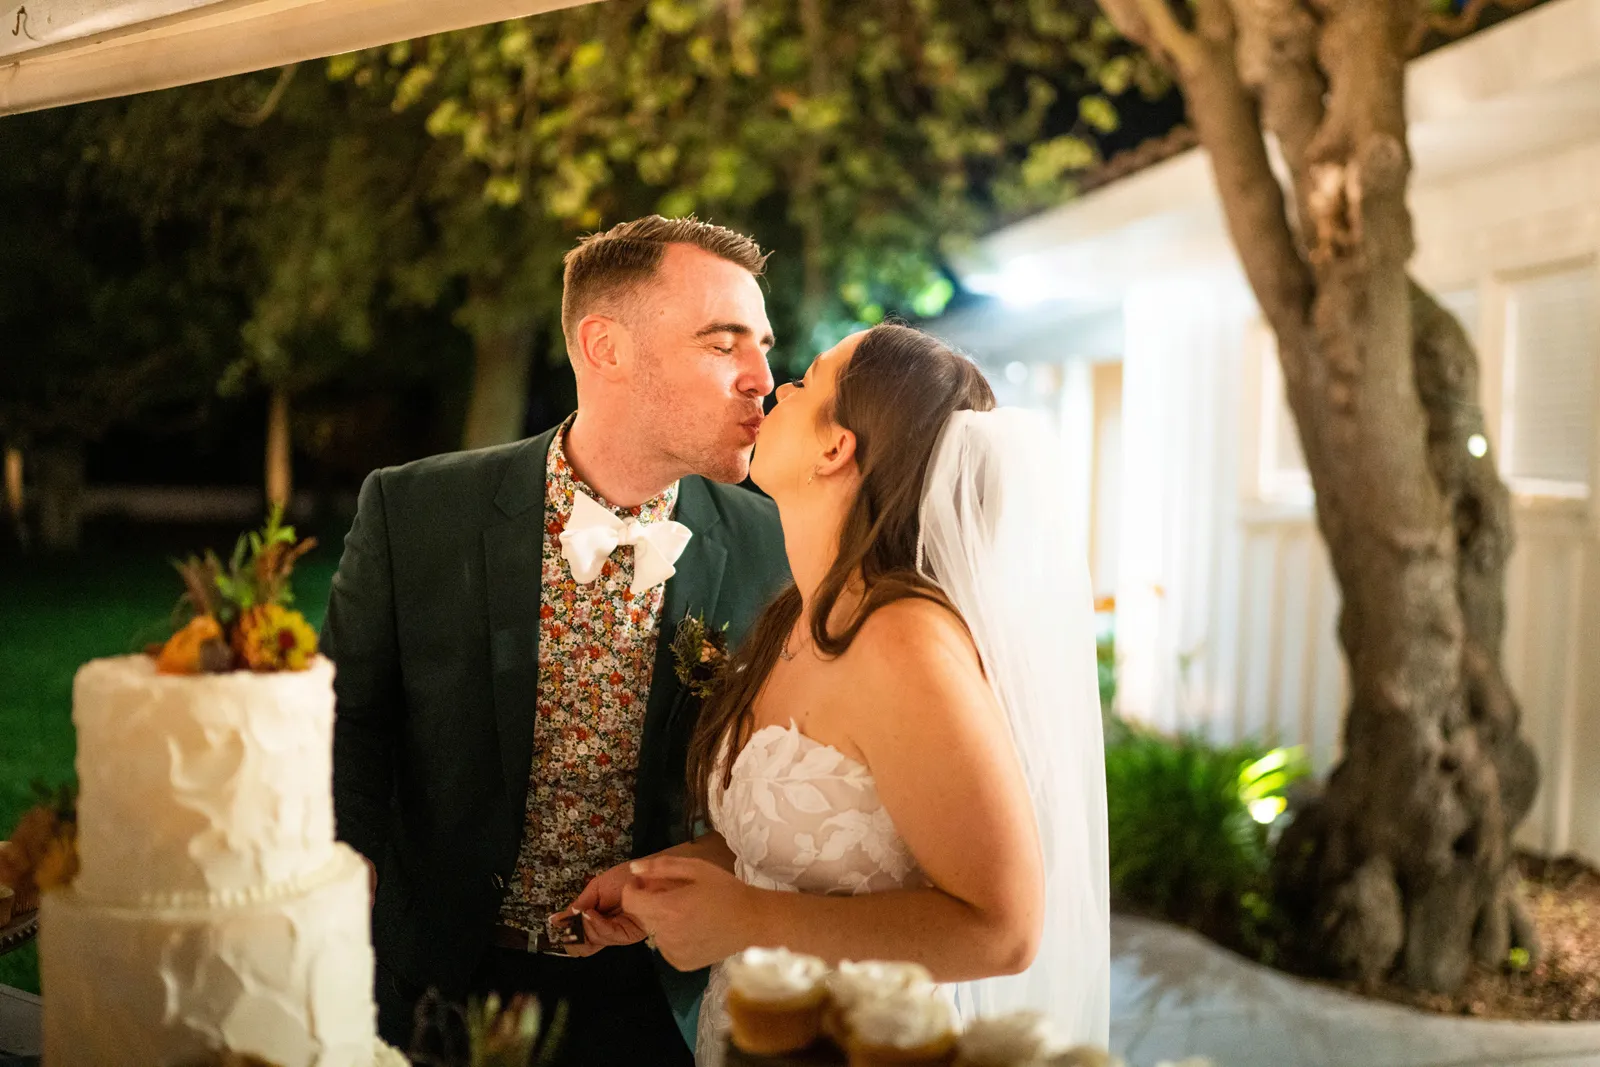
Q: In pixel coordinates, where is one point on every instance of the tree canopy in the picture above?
(861, 149)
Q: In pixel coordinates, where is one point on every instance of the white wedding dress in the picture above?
(803, 817)
(800, 816)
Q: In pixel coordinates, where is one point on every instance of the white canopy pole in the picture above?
(55, 52)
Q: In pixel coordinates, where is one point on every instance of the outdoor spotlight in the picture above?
(1267, 809)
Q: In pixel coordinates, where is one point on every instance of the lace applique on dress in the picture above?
(800, 816)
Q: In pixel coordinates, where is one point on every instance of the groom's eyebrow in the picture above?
(738, 329)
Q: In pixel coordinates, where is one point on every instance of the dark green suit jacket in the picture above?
(433, 626)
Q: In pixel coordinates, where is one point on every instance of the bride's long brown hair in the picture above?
(894, 394)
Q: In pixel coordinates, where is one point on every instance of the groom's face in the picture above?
(701, 371)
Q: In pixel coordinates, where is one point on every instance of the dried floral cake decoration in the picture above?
(42, 850)
(241, 614)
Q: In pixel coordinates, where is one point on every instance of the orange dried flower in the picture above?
(41, 854)
(182, 652)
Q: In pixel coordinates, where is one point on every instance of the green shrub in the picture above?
(1190, 826)
(1106, 662)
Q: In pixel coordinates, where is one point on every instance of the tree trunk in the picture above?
(280, 451)
(498, 409)
(1404, 864)
(16, 497)
(15, 500)
(59, 499)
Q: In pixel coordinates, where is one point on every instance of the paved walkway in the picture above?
(19, 1024)
(1174, 994)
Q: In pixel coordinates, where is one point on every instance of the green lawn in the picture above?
(57, 613)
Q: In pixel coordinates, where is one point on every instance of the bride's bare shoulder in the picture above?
(915, 677)
(915, 633)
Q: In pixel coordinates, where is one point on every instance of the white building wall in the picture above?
(1242, 643)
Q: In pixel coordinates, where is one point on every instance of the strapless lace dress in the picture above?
(800, 817)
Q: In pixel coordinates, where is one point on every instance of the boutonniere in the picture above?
(698, 652)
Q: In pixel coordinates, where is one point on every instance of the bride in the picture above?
(904, 759)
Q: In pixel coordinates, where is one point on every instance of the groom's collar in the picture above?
(523, 486)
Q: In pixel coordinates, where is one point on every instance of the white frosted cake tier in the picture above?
(287, 979)
(201, 789)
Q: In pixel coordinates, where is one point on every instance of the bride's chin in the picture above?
(756, 472)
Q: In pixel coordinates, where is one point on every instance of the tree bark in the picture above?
(280, 450)
(59, 499)
(1404, 864)
(16, 496)
(498, 408)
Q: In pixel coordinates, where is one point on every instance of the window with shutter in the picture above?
(1548, 420)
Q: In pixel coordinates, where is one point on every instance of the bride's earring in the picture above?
(813, 476)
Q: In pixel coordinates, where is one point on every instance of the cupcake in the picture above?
(1020, 1039)
(853, 984)
(911, 1028)
(775, 1000)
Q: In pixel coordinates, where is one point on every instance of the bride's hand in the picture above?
(695, 912)
(605, 923)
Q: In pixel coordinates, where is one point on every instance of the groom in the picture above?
(510, 722)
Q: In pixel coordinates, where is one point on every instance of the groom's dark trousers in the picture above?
(433, 627)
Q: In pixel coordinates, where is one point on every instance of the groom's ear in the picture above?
(841, 451)
(604, 347)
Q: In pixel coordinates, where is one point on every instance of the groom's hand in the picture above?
(605, 923)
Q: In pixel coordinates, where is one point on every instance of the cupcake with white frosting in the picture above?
(1020, 1039)
(775, 1000)
(910, 1028)
(852, 984)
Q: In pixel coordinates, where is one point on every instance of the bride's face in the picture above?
(799, 431)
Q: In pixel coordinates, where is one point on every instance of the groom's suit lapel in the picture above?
(513, 571)
(693, 590)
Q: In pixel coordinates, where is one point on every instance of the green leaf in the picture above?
(412, 85)
(1117, 75)
(677, 204)
(587, 56)
(503, 190)
(931, 301)
(1049, 160)
(516, 43)
(1099, 113)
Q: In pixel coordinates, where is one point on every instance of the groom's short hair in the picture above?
(612, 266)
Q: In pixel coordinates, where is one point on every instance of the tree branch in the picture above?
(1152, 25)
(1226, 118)
(251, 119)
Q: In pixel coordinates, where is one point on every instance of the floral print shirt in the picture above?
(597, 649)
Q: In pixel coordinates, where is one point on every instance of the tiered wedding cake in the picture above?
(213, 908)
(211, 911)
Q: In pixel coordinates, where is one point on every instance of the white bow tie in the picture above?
(593, 533)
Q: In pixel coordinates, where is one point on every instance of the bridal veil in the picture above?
(996, 539)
